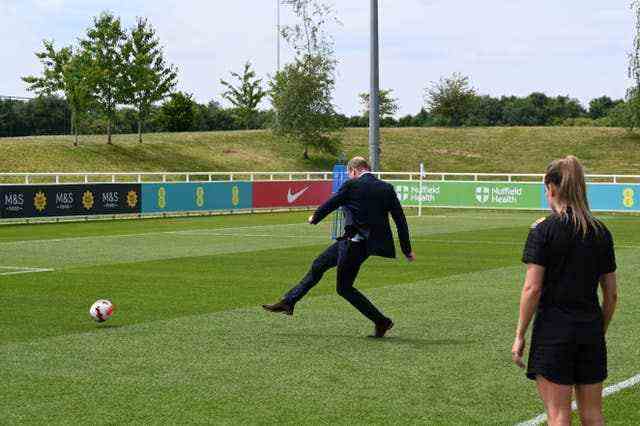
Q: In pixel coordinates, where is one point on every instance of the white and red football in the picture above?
(101, 310)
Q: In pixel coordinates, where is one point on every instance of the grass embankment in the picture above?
(515, 149)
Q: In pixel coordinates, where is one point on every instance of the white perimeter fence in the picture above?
(158, 177)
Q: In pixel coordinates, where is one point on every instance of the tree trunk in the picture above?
(109, 131)
(306, 152)
(74, 127)
(139, 130)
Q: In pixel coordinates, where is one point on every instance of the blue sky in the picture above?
(569, 47)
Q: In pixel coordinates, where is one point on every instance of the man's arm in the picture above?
(401, 224)
(337, 200)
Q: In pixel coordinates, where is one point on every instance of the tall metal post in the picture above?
(374, 93)
(275, 111)
(278, 34)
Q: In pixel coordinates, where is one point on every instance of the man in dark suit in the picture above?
(366, 202)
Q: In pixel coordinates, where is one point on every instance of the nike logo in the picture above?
(292, 197)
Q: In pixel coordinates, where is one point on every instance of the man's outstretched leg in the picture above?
(327, 260)
(351, 257)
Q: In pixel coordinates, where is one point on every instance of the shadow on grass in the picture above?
(319, 163)
(632, 135)
(389, 340)
(165, 157)
(110, 326)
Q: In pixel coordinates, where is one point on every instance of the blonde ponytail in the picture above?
(567, 174)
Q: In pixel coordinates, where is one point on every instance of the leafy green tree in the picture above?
(147, 76)
(485, 111)
(423, 119)
(301, 95)
(246, 96)
(602, 106)
(217, 118)
(451, 99)
(178, 112)
(104, 46)
(561, 108)
(307, 36)
(388, 104)
(517, 111)
(619, 116)
(65, 71)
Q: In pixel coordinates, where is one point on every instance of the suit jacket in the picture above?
(367, 202)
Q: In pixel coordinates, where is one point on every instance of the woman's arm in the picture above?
(609, 286)
(529, 300)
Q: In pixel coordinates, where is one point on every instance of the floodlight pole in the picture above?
(275, 111)
(374, 93)
(278, 34)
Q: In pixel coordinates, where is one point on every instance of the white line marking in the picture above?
(14, 270)
(264, 236)
(609, 390)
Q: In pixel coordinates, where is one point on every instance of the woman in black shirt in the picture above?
(567, 254)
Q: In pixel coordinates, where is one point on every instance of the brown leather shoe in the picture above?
(280, 307)
(382, 328)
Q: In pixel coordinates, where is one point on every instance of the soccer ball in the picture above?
(101, 310)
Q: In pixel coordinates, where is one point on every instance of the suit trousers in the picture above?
(348, 256)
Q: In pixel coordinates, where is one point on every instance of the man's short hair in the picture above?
(357, 163)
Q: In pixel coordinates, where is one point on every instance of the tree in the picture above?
(104, 46)
(308, 37)
(246, 96)
(423, 119)
(178, 112)
(301, 96)
(65, 71)
(147, 77)
(619, 116)
(562, 108)
(388, 104)
(302, 93)
(600, 107)
(218, 118)
(485, 111)
(451, 99)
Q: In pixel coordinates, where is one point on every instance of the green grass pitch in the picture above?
(190, 344)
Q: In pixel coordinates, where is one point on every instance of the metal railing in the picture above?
(161, 177)
(156, 177)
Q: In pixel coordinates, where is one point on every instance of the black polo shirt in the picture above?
(569, 310)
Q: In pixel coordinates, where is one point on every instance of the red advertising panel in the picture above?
(290, 193)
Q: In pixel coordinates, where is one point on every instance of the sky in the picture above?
(576, 48)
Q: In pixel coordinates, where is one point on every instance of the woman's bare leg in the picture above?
(557, 401)
(589, 399)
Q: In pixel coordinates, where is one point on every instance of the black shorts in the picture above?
(569, 363)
